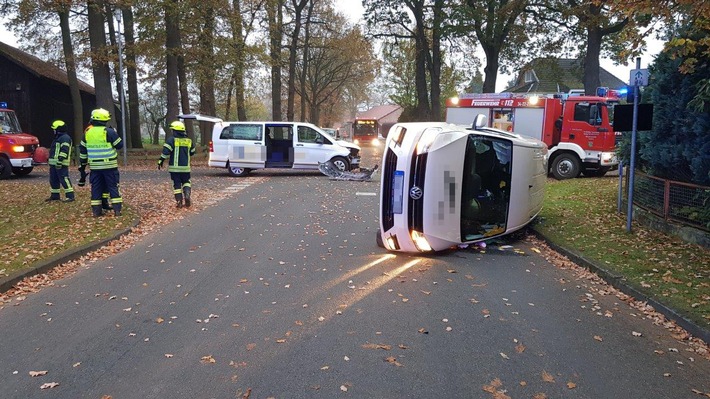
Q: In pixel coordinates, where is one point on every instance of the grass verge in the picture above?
(581, 215)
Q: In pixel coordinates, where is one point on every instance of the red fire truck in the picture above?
(16, 148)
(576, 130)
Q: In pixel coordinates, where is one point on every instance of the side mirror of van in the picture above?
(480, 121)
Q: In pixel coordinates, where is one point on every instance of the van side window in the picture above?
(282, 132)
(241, 132)
(309, 135)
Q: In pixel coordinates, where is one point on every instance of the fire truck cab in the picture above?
(577, 130)
(16, 148)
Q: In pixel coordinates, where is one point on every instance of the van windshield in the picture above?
(485, 194)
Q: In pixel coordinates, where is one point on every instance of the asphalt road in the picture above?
(279, 291)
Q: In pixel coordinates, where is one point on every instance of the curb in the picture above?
(619, 282)
(72, 254)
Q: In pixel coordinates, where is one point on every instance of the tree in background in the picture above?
(422, 22)
(678, 147)
(500, 28)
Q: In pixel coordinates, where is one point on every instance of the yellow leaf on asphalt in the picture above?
(208, 359)
(571, 385)
(547, 377)
(38, 373)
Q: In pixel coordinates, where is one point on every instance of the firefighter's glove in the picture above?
(160, 163)
(82, 177)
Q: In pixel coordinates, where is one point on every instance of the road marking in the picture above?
(366, 194)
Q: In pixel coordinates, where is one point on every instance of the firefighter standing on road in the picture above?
(178, 149)
(99, 151)
(59, 157)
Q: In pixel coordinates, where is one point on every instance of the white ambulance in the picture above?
(241, 147)
(445, 184)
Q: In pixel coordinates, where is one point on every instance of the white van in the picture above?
(444, 185)
(243, 146)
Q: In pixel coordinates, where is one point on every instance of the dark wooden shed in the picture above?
(38, 92)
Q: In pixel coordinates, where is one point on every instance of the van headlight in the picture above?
(420, 242)
(426, 140)
(18, 148)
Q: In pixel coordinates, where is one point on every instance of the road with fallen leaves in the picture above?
(279, 291)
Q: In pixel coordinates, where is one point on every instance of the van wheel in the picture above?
(21, 171)
(565, 166)
(378, 239)
(237, 171)
(341, 163)
(5, 168)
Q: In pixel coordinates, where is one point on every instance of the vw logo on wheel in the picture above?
(415, 193)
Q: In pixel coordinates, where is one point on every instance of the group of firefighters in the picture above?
(99, 150)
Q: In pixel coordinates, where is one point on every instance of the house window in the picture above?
(529, 76)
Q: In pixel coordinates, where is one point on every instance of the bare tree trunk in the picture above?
(304, 69)
(491, 68)
(132, 77)
(207, 97)
(99, 52)
(298, 5)
(435, 73)
(70, 62)
(172, 48)
(117, 75)
(238, 37)
(422, 49)
(274, 11)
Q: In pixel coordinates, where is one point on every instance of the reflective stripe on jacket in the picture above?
(100, 153)
(60, 151)
(178, 150)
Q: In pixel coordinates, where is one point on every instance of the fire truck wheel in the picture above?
(21, 171)
(5, 168)
(565, 166)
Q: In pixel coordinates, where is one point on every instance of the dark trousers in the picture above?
(180, 181)
(105, 181)
(60, 178)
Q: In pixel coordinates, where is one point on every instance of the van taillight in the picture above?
(211, 147)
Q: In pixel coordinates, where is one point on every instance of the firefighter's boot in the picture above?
(105, 205)
(178, 200)
(97, 211)
(187, 193)
(117, 209)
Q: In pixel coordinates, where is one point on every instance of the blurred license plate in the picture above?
(397, 191)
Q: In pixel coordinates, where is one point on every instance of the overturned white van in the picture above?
(445, 184)
(243, 146)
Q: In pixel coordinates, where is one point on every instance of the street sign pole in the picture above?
(632, 164)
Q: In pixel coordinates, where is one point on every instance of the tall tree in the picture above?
(132, 77)
(70, 62)
(274, 11)
(100, 54)
(422, 22)
(298, 6)
(205, 71)
(498, 27)
(172, 50)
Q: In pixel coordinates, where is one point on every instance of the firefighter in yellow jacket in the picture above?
(98, 149)
(178, 149)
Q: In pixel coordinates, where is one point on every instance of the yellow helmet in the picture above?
(100, 114)
(58, 123)
(177, 126)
